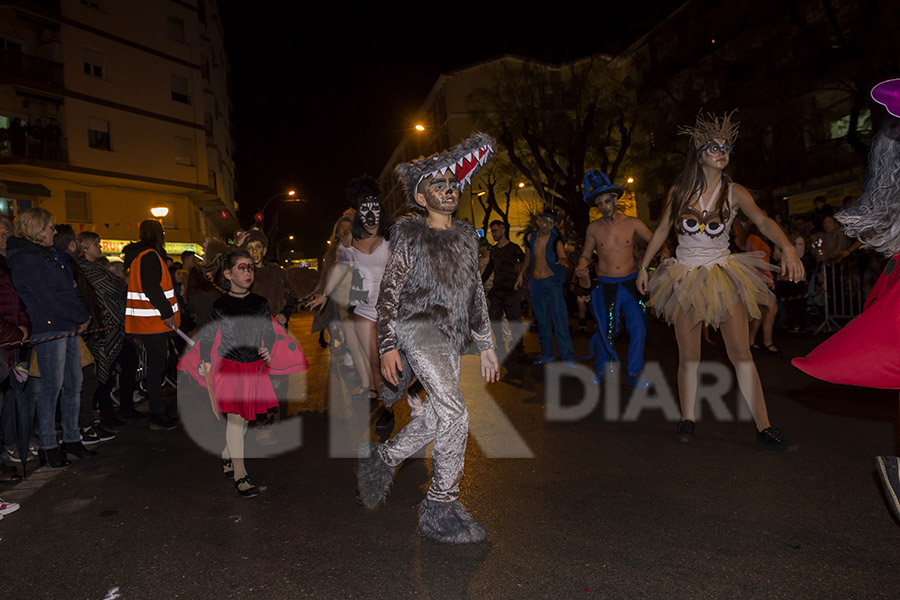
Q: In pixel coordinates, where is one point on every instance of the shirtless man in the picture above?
(546, 264)
(612, 237)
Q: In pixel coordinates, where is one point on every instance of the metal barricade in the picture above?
(842, 293)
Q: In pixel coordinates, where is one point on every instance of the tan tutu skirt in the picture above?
(709, 293)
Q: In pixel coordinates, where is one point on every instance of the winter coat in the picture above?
(46, 287)
(12, 311)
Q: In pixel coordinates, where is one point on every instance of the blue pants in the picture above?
(606, 311)
(60, 364)
(552, 318)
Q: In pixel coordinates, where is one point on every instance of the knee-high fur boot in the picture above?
(373, 476)
(449, 522)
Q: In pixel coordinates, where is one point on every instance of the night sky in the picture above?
(320, 100)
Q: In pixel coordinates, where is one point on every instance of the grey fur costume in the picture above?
(431, 300)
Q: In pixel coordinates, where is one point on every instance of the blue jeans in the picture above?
(549, 307)
(60, 364)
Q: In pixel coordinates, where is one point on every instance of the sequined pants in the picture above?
(445, 421)
(618, 299)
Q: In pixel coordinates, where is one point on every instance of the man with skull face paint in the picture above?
(612, 236)
(431, 301)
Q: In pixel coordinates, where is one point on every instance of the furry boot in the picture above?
(449, 522)
(373, 476)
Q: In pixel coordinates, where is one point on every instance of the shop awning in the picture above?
(17, 188)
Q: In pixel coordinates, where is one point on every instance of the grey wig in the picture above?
(875, 218)
(463, 161)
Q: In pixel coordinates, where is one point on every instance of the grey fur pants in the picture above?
(445, 420)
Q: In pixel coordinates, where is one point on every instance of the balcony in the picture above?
(39, 143)
(25, 69)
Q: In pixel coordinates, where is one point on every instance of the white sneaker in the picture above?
(7, 507)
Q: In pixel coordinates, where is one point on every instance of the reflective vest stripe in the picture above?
(142, 296)
(141, 317)
(147, 312)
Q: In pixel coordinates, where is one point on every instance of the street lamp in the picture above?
(630, 180)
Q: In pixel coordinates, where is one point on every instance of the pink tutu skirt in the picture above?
(243, 388)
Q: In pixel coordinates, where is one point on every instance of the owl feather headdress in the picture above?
(710, 127)
(464, 161)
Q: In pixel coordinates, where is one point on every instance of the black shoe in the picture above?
(771, 439)
(8, 474)
(77, 449)
(163, 422)
(54, 457)
(89, 437)
(685, 432)
(227, 467)
(385, 421)
(95, 432)
(249, 492)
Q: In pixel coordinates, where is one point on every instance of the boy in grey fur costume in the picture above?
(431, 300)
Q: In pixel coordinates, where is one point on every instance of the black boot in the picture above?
(77, 449)
(54, 457)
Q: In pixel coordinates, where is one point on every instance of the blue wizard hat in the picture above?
(596, 183)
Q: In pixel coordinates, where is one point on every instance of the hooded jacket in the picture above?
(46, 287)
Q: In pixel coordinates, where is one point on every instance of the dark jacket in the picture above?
(12, 311)
(45, 286)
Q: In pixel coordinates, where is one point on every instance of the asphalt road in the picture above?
(595, 507)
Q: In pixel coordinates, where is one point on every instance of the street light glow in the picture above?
(630, 180)
(159, 211)
(521, 184)
(420, 127)
(291, 192)
(290, 237)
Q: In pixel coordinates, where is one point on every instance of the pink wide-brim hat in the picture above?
(888, 94)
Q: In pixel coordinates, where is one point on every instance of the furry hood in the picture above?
(464, 161)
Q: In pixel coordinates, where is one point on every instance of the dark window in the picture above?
(98, 134)
(180, 90)
(176, 29)
(78, 207)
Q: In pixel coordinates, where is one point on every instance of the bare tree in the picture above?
(557, 122)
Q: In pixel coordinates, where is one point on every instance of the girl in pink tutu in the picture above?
(240, 331)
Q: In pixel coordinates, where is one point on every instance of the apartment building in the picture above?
(111, 108)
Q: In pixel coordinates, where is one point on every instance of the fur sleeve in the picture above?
(479, 321)
(395, 275)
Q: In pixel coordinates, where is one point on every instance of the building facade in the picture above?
(111, 108)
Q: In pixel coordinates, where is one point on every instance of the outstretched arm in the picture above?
(791, 265)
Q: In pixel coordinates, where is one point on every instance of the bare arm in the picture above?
(523, 267)
(561, 254)
(643, 231)
(790, 262)
(656, 241)
(584, 261)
